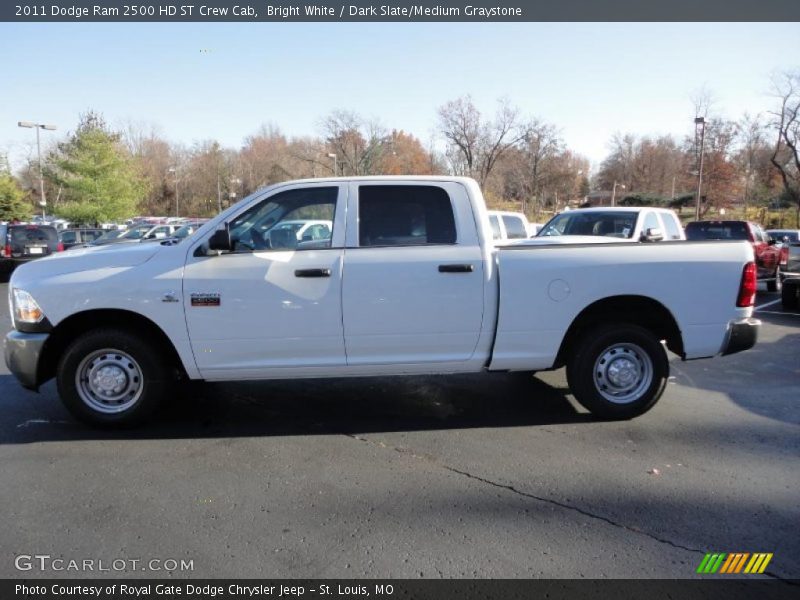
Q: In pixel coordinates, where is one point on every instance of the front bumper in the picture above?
(742, 335)
(22, 352)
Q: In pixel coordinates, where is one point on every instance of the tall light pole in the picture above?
(335, 164)
(699, 131)
(38, 126)
(235, 181)
(175, 170)
(614, 192)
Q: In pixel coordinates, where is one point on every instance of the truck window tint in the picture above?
(673, 230)
(280, 221)
(515, 228)
(495, 223)
(716, 230)
(69, 237)
(404, 215)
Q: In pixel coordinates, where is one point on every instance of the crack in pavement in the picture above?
(550, 501)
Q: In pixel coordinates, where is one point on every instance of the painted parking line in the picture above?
(766, 305)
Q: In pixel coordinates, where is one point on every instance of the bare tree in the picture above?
(785, 157)
(357, 142)
(753, 159)
(475, 144)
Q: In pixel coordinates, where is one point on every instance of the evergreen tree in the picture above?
(98, 175)
(12, 203)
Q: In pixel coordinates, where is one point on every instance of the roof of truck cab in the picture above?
(620, 209)
(377, 178)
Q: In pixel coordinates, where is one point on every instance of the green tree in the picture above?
(98, 175)
(12, 203)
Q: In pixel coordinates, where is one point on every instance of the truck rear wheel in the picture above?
(112, 377)
(790, 293)
(618, 371)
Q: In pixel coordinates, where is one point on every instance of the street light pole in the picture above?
(614, 192)
(335, 163)
(699, 129)
(175, 170)
(38, 126)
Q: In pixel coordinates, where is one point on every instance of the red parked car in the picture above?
(770, 258)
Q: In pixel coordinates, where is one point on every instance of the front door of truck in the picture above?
(413, 275)
(271, 306)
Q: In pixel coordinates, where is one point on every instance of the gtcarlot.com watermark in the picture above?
(46, 562)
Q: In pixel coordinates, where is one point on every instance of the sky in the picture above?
(193, 82)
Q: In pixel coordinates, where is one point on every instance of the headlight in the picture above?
(24, 308)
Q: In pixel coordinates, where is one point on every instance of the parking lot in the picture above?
(467, 476)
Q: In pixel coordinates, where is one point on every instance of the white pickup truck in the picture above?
(408, 282)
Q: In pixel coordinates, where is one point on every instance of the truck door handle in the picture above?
(312, 273)
(456, 268)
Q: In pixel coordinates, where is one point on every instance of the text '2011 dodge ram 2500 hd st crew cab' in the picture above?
(407, 282)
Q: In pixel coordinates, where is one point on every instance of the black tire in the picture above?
(789, 294)
(141, 372)
(627, 354)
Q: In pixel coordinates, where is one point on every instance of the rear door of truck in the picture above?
(413, 284)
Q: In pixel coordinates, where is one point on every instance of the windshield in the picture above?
(111, 235)
(289, 226)
(186, 231)
(137, 232)
(608, 224)
(792, 236)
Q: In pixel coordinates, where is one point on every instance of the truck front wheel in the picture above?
(111, 377)
(618, 371)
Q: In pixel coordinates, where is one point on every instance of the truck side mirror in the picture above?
(221, 239)
(654, 234)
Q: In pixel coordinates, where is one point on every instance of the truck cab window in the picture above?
(300, 219)
(515, 228)
(672, 226)
(405, 215)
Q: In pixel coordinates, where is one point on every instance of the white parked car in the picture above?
(409, 282)
(305, 230)
(615, 224)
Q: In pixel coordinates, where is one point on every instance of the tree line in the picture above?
(101, 174)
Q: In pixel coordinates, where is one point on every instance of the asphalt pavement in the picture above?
(475, 476)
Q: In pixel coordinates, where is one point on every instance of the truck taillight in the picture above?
(7, 251)
(747, 288)
(60, 247)
(784, 259)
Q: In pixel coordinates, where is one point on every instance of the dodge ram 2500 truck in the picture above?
(407, 282)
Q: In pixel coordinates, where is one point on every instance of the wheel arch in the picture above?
(67, 330)
(638, 310)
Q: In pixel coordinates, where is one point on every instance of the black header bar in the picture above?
(207, 11)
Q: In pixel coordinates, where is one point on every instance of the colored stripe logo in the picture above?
(735, 562)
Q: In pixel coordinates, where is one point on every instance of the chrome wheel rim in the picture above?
(109, 381)
(623, 373)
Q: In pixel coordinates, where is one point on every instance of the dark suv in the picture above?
(19, 243)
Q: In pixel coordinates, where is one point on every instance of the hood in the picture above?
(87, 259)
(569, 239)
